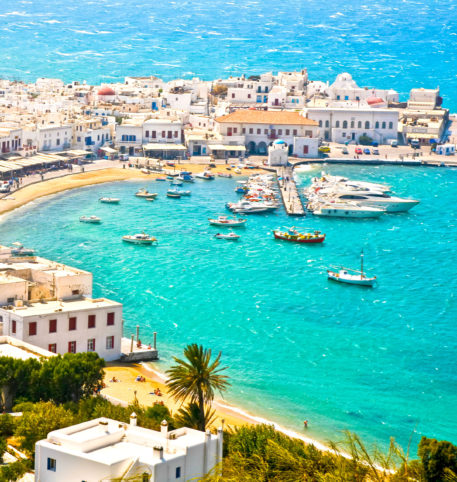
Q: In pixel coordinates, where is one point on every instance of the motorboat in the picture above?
(143, 192)
(141, 238)
(224, 174)
(226, 221)
(161, 178)
(295, 236)
(173, 194)
(251, 207)
(391, 204)
(344, 210)
(90, 219)
(351, 276)
(110, 200)
(205, 175)
(241, 189)
(186, 177)
(176, 182)
(229, 236)
(179, 192)
(18, 249)
(328, 179)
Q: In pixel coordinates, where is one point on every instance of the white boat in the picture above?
(90, 219)
(176, 182)
(109, 200)
(178, 192)
(391, 204)
(205, 175)
(352, 276)
(229, 236)
(251, 207)
(226, 221)
(20, 250)
(143, 192)
(142, 238)
(328, 179)
(344, 210)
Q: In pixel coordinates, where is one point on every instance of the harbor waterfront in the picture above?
(377, 362)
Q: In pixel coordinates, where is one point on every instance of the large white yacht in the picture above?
(344, 210)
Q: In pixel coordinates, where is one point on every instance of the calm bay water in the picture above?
(397, 45)
(380, 362)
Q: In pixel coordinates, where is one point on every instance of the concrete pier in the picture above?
(289, 192)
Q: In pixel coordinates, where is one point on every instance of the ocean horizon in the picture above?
(402, 46)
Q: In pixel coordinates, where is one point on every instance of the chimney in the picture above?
(164, 428)
(158, 451)
(133, 419)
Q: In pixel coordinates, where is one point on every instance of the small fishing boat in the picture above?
(224, 174)
(143, 192)
(229, 236)
(186, 177)
(352, 276)
(205, 175)
(226, 221)
(173, 194)
(295, 236)
(110, 200)
(241, 189)
(176, 182)
(20, 250)
(161, 178)
(170, 178)
(90, 219)
(141, 238)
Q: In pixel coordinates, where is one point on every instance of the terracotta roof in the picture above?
(266, 117)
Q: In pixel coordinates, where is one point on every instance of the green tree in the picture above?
(13, 472)
(439, 459)
(365, 140)
(37, 423)
(70, 377)
(196, 378)
(190, 416)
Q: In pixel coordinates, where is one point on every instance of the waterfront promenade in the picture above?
(289, 192)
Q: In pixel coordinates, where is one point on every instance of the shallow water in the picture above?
(380, 362)
(397, 45)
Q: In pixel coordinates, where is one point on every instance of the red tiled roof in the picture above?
(266, 117)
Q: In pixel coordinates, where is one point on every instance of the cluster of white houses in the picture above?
(50, 305)
(185, 118)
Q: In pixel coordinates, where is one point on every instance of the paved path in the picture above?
(289, 191)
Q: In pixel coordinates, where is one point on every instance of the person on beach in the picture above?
(305, 423)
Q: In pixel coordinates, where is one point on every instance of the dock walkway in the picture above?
(289, 192)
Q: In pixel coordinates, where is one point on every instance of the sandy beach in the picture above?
(72, 181)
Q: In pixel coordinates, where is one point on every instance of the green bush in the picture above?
(365, 140)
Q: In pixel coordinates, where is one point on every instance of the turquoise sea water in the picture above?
(398, 45)
(380, 362)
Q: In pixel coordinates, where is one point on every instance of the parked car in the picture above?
(324, 149)
(393, 143)
(344, 150)
(375, 143)
(375, 151)
(366, 150)
(123, 157)
(358, 150)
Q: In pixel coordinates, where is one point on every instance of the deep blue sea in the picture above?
(380, 362)
(399, 45)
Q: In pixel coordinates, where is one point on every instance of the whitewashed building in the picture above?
(347, 125)
(105, 449)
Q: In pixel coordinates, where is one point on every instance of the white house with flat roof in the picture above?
(347, 125)
(105, 449)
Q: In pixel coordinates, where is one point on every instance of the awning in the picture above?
(76, 153)
(108, 150)
(225, 147)
(164, 147)
(419, 135)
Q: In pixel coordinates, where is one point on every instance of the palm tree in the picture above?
(196, 378)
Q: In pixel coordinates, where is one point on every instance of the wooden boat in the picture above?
(90, 219)
(293, 235)
(143, 192)
(352, 276)
(226, 221)
(142, 238)
(109, 200)
(229, 236)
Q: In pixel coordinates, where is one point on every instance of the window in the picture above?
(243, 130)
(279, 132)
(327, 123)
(305, 149)
(383, 125)
(233, 96)
(91, 321)
(52, 326)
(75, 292)
(52, 464)
(346, 97)
(249, 96)
(357, 98)
(52, 348)
(72, 347)
(265, 131)
(376, 126)
(359, 125)
(295, 132)
(251, 131)
(176, 133)
(170, 134)
(337, 97)
(337, 124)
(259, 131)
(235, 130)
(146, 133)
(391, 125)
(13, 327)
(367, 124)
(58, 142)
(320, 123)
(352, 124)
(153, 134)
(91, 344)
(32, 328)
(163, 134)
(259, 98)
(287, 132)
(345, 124)
(110, 319)
(109, 342)
(72, 323)
(178, 472)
